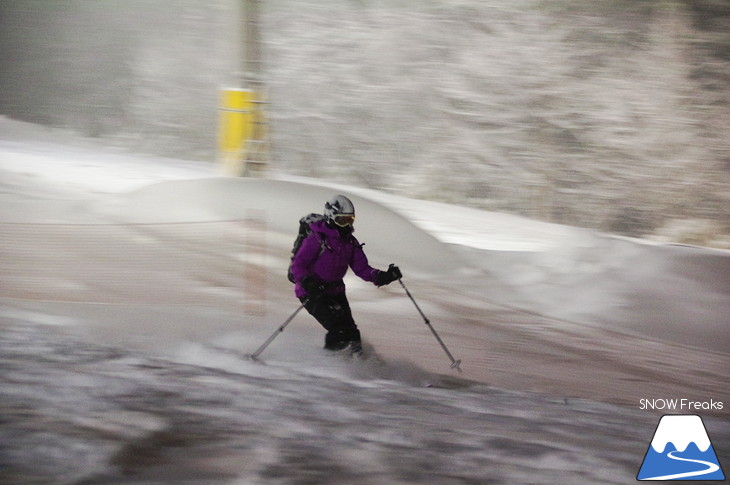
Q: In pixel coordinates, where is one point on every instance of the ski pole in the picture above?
(281, 328)
(454, 363)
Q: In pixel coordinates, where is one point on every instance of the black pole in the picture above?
(454, 362)
(281, 328)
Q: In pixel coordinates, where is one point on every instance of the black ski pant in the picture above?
(334, 314)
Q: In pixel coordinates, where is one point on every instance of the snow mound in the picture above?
(280, 205)
(680, 430)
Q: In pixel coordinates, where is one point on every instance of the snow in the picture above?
(681, 431)
(124, 313)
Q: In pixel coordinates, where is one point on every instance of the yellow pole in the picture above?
(236, 128)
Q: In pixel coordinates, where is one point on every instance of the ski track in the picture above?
(711, 467)
(83, 414)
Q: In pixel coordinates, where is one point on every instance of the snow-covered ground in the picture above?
(131, 286)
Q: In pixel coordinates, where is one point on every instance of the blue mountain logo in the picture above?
(680, 450)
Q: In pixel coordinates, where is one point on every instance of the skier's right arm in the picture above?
(305, 258)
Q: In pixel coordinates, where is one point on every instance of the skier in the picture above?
(319, 266)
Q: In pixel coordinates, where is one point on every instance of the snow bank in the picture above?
(280, 204)
(679, 294)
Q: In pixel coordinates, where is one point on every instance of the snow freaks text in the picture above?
(680, 404)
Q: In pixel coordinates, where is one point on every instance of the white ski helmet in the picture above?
(340, 210)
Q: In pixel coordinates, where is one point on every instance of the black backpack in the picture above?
(304, 231)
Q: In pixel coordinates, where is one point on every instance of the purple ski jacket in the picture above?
(326, 255)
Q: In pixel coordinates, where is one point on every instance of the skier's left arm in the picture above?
(387, 277)
(362, 268)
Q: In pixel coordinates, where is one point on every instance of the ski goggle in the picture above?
(344, 220)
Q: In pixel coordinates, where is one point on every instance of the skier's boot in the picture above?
(354, 348)
(347, 339)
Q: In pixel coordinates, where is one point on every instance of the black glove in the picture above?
(387, 277)
(313, 287)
